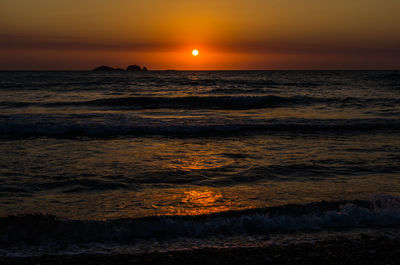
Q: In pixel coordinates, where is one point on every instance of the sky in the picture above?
(229, 34)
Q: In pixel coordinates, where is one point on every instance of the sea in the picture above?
(130, 162)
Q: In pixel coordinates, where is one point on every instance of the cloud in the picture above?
(13, 42)
(354, 47)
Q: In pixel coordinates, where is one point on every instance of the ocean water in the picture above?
(93, 161)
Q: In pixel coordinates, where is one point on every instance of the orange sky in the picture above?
(234, 34)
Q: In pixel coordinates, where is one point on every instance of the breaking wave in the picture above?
(98, 125)
(35, 229)
(208, 102)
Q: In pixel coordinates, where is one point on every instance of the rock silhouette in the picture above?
(134, 68)
(105, 68)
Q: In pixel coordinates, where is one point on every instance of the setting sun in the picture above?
(195, 52)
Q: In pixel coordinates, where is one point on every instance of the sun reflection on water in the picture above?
(201, 198)
(197, 202)
(196, 163)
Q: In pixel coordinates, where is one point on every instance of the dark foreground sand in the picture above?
(364, 250)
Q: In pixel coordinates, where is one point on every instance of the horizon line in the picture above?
(202, 70)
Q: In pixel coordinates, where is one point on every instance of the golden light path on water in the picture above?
(185, 178)
(201, 201)
(198, 200)
(190, 163)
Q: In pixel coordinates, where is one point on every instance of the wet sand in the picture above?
(365, 250)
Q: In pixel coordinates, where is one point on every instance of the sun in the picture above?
(195, 52)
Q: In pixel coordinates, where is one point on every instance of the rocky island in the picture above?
(105, 68)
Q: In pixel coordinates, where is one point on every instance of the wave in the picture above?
(78, 81)
(236, 82)
(65, 126)
(35, 229)
(191, 102)
(81, 183)
(85, 80)
(209, 102)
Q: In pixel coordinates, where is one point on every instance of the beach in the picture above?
(379, 248)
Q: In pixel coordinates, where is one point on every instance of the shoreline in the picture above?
(365, 249)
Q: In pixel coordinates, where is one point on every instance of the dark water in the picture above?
(96, 152)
